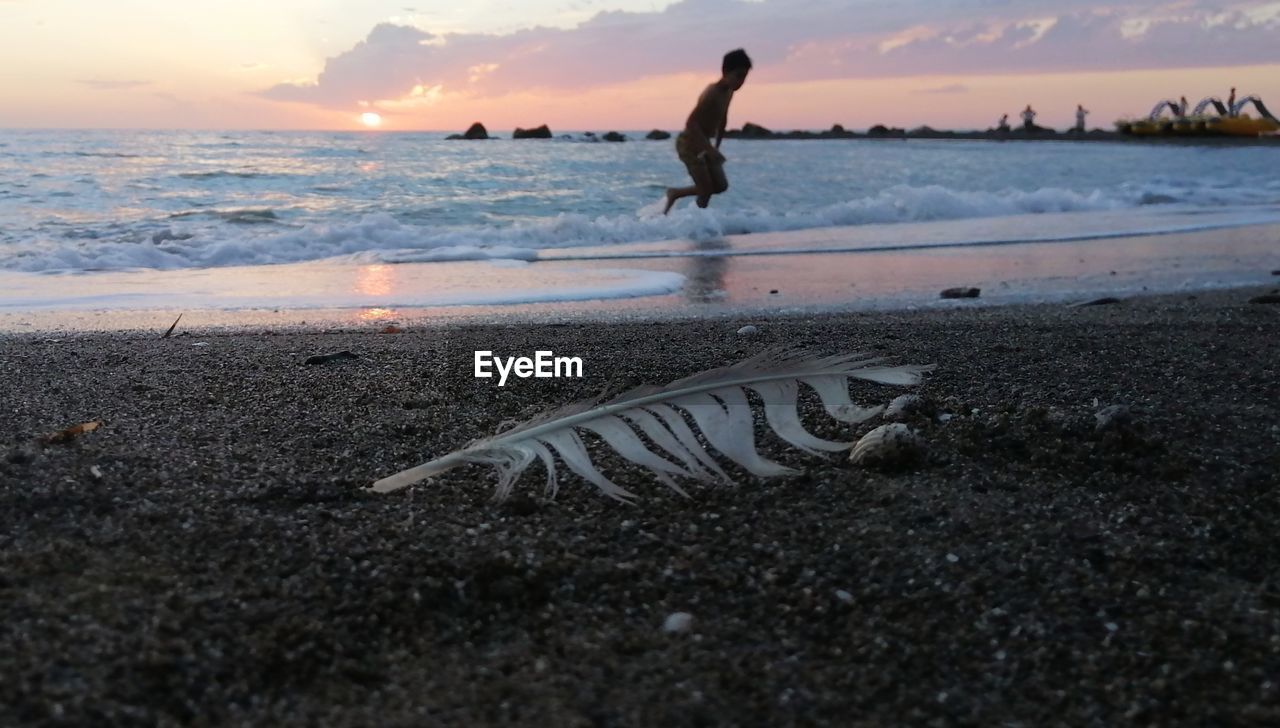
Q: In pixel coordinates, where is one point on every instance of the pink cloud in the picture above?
(800, 40)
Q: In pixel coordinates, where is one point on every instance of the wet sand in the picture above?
(208, 554)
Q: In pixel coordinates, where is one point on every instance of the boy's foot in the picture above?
(671, 200)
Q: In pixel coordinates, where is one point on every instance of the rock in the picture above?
(1104, 301)
(1276, 272)
(905, 406)
(891, 445)
(923, 130)
(614, 136)
(880, 130)
(1266, 298)
(838, 129)
(476, 131)
(754, 131)
(748, 331)
(539, 132)
(658, 135)
(678, 622)
(327, 358)
(1111, 418)
(961, 293)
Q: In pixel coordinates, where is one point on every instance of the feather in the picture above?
(715, 401)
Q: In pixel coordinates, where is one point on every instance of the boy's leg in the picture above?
(702, 185)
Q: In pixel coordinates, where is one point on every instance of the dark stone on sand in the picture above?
(754, 131)
(773, 292)
(961, 293)
(538, 132)
(475, 131)
(614, 136)
(327, 358)
(658, 135)
(1105, 300)
(1266, 298)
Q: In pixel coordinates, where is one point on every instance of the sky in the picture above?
(617, 64)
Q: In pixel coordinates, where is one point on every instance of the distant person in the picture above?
(1182, 107)
(1004, 123)
(710, 117)
(1231, 102)
(1081, 112)
(1029, 118)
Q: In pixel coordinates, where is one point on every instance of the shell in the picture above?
(888, 445)
(904, 406)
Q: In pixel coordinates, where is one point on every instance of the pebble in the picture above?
(961, 293)
(844, 596)
(326, 358)
(678, 622)
(748, 331)
(1110, 418)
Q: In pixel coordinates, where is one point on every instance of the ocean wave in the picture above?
(108, 155)
(223, 174)
(243, 217)
(384, 237)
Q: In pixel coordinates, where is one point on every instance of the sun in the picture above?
(371, 119)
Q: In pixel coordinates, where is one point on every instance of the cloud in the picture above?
(98, 84)
(954, 88)
(800, 40)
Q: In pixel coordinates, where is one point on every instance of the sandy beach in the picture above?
(209, 556)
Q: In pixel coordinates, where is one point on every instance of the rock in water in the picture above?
(891, 445)
(540, 132)
(476, 131)
(614, 136)
(658, 135)
(961, 293)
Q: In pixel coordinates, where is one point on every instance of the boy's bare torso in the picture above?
(712, 110)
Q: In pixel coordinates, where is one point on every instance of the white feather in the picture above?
(715, 400)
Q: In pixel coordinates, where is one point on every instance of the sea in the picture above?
(102, 211)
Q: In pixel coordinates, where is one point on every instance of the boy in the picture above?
(709, 118)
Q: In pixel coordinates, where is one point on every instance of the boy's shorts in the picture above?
(695, 161)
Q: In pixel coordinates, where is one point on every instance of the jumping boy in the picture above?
(708, 119)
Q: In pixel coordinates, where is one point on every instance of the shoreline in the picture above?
(809, 272)
(208, 554)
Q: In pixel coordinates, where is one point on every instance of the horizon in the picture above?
(320, 65)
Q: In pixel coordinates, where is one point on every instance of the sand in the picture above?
(208, 555)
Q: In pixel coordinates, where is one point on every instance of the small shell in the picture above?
(1115, 417)
(904, 406)
(888, 445)
(747, 331)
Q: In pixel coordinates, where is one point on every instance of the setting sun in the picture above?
(371, 119)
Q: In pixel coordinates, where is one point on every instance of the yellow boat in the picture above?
(1227, 122)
